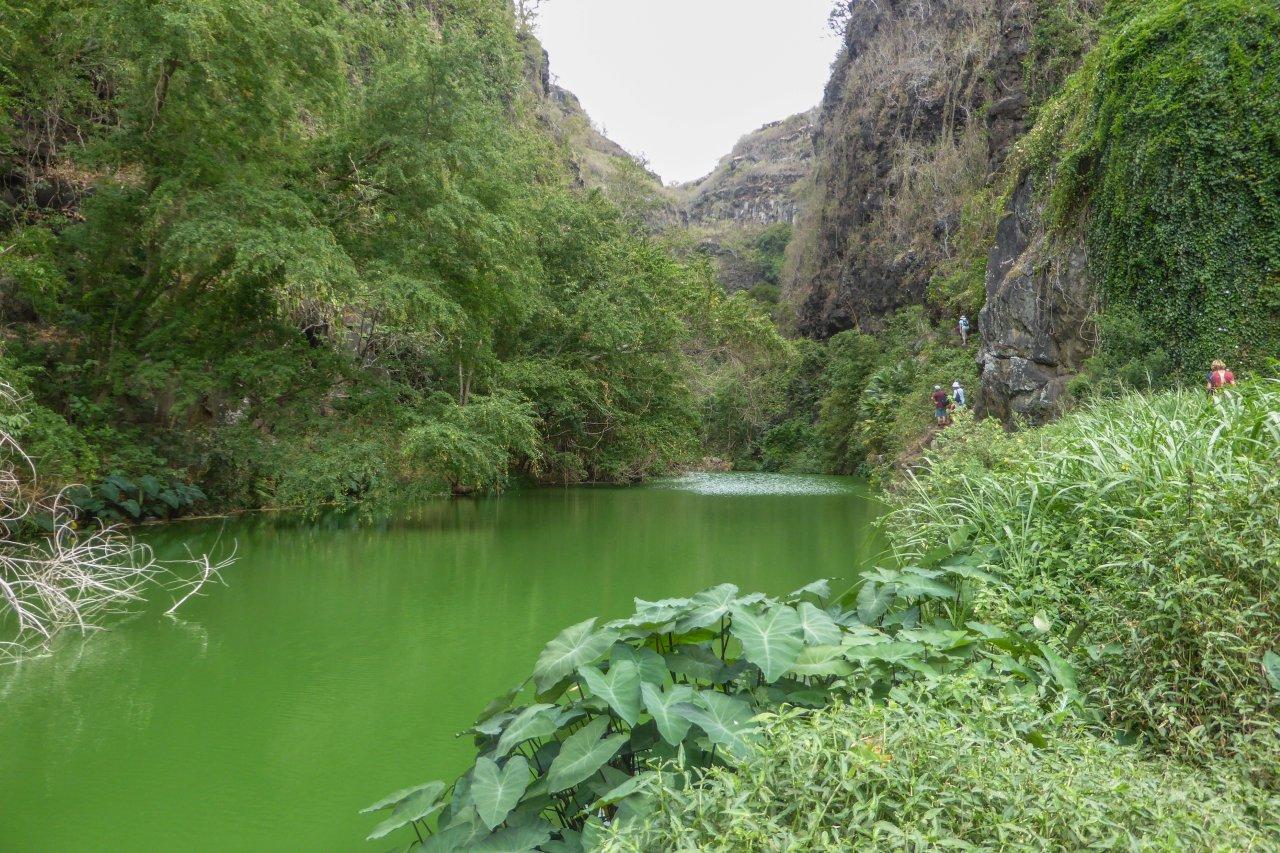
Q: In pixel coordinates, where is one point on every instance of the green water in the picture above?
(339, 659)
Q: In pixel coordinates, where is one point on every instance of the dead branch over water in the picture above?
(55, 574)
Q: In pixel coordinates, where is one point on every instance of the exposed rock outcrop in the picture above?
(901, 143)
(756, 182)
(753, 189)
(1036, 325)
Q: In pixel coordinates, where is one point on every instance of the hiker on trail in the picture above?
(963, 326)
(941, 403)
(1219, 377)
(957, 393)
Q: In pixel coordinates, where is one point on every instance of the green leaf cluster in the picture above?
(614, 710)
(1162, 150)
(1143, 527)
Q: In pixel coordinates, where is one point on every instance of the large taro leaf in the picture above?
(916, 583)
(725, 719)
(619, 687)
(497, 790)
(770, 640)
(819, 591)
(583, 753)
(572, 648)
(818, 628)
(660, 704)
(514, 839)
(536, 721)
(874, 599)
(492, 726)
(1271, 666)
(822, 660)
(392, 800)
(886, 652)
(421, 804)
(653, 668)
(696, 662)
(708, 607)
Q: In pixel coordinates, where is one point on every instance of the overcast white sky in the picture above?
(679, 81)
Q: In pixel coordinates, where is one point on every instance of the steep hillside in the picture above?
(742, 213)
(1099, 179)
(756, 182)
(902, 140)
(596, 161)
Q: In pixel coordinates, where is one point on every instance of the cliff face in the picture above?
(744, 209)
(924, 104)
(756, 183)
(1036, 325)
(901, 142)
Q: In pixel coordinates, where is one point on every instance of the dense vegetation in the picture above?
(612, 713)
(1146, 529)
(323, 254)
(952, 765)
(1163, 149)
(1079, 650)
(852, 404)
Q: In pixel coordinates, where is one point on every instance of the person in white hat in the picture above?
(957, 393)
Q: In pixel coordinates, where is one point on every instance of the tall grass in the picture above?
(952, 766)
(1144, 533)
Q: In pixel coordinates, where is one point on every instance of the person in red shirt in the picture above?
(1219, 378)
(940, 404)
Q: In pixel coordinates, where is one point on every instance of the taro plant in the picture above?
(676, 688)
(119, 498)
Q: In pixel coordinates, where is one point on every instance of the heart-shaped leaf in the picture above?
(392, 800)
(819, 591)
(822, 660)
(771, 640)
(620, 687)
(726, 720)
(496, 791)
(572, 648)
(874, 600)
(583, 753)
(708, 607)
(672, 725)
(818, 628)
(696, 662)
(420, 805)
(653, 668)
(536, 721)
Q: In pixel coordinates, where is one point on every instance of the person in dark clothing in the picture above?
(941, 403)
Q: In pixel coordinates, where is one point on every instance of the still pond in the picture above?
(342, 656)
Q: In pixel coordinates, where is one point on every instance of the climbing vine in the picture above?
(1168, 150)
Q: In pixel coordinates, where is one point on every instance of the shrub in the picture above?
(680, 683)
(1148, 525)
(950, 766)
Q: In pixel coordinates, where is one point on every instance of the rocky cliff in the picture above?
(902, 140)
(1037, 323)
(924, 105)
(742, 212)
(756, 183)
